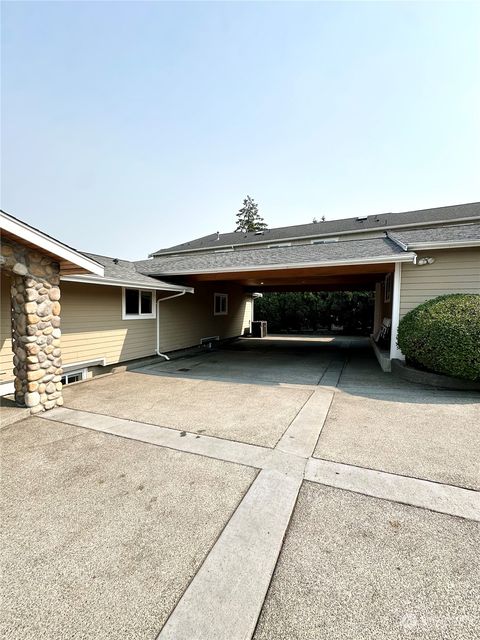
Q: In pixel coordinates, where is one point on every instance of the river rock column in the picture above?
(35, 295)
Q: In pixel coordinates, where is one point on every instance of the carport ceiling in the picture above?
(312, 278)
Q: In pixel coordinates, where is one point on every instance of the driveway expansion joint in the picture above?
(225, 597)
(435, 496)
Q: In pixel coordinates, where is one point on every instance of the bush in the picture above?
(443, 336)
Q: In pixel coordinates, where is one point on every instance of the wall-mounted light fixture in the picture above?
(423, 261)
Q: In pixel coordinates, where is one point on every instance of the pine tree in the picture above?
(248, 218)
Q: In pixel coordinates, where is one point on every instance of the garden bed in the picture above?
(404, 371)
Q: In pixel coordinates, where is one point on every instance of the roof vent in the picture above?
(218, 235)
(115, 260)
(361, 218)
(259, 233)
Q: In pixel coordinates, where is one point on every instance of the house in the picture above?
(115, 311)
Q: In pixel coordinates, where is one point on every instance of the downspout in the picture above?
(175, 295)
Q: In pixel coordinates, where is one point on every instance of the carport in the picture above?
(372, 264)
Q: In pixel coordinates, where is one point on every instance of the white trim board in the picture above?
(33, 236)
(6, 388)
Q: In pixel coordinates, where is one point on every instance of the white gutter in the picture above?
(113, 282)
(176, 295)
(405, 257)
(448, 244)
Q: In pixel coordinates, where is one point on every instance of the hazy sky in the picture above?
(130, 126)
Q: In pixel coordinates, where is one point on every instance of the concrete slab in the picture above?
(356, 567)
(424, 435)
(224, 599)
(101, 535)
(270, 360)
(10, 412)
(256, 414)
(443, 498)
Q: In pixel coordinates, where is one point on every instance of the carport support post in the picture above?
(35, 295)
(397, 281)
(378, 309)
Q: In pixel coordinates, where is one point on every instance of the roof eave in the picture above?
(116, 282)
(28, 234)
(404, 257)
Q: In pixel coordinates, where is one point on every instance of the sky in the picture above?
(132, 126)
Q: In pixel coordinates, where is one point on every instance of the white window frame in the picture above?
(139, 316)
(324, 241)
(222, 296)
(76, 372)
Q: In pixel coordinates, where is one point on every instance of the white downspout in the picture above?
(175, 295)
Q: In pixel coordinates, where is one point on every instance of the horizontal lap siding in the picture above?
(92, 326)
(6, 355)
(185, 320)
(454, 271)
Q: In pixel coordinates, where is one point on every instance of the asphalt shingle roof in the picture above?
(350, 250)
(382, 222)
(451, 233)
(126, 271)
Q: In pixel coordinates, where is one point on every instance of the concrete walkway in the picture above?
(309, 531)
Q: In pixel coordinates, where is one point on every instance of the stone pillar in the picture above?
(35, 296)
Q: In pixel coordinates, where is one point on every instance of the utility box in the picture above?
(259, 329)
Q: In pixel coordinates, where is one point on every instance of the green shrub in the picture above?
(443, 336)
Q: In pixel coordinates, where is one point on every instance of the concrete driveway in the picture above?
(273, 489)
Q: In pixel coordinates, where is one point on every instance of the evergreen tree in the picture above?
(248, 218)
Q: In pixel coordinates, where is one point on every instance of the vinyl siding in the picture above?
(92, 326)
(184, 321)
(6, 355)
(454, 271)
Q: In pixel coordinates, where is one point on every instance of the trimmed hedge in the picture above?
(443, 336)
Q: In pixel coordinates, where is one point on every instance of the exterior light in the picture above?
(423, 261)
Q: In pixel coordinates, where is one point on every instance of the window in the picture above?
(74, 376)
(138, 303)
(325, 241)
(220, 304)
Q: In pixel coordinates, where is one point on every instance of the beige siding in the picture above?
(454, 271)
(93, 329)
(6, 355)
(184, 321)
(92, 326)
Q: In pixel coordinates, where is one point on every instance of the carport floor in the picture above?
(299, 547)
